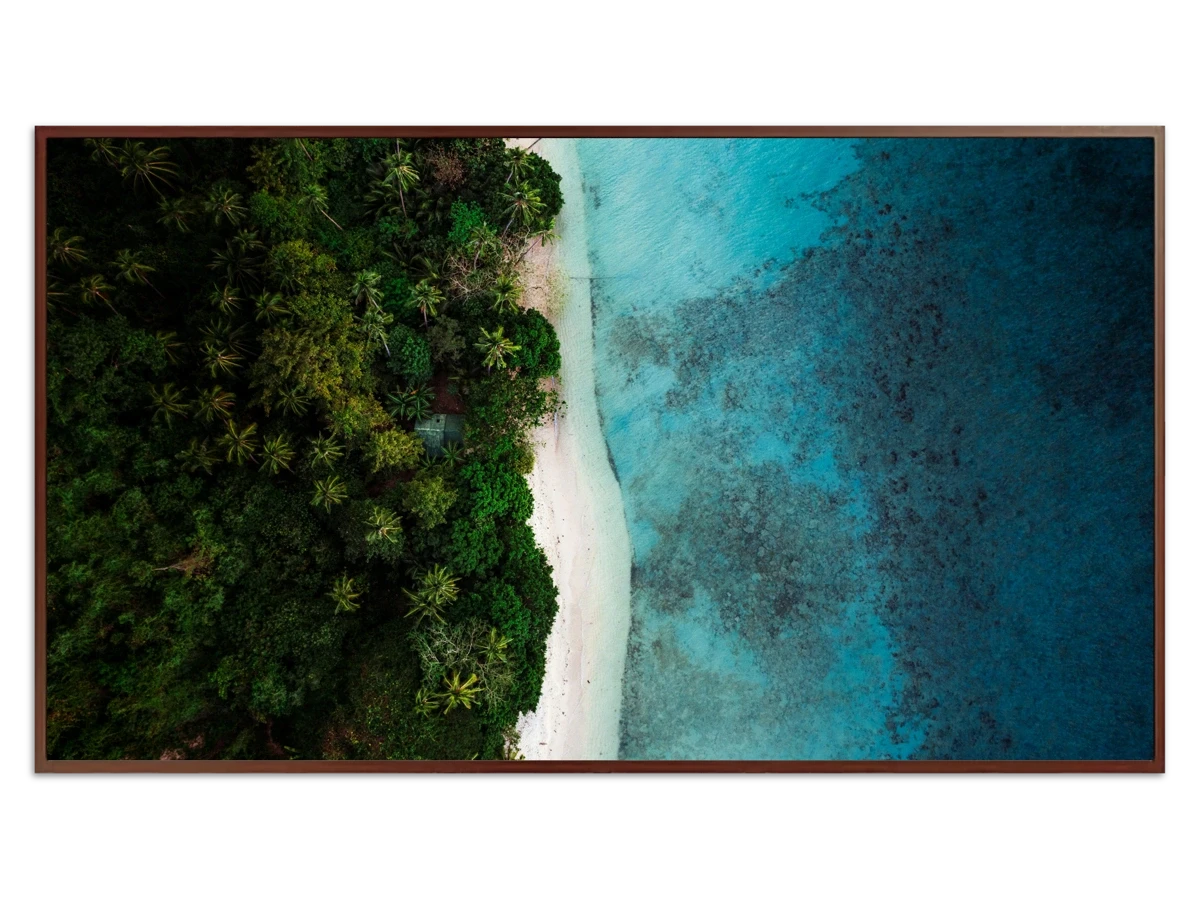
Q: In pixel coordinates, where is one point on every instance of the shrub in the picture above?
(464, 218)
(393, 450)
(538, 356)
(428, 498)
(446, 342)
(410, 356)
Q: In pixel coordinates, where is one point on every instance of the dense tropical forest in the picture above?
(251, 553)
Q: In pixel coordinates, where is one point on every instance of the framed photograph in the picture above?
(600, 449)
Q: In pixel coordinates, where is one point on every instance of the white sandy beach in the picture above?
(578, 517)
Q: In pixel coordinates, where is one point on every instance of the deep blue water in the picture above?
(882, 416)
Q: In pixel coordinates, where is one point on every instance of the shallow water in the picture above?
(882, 417)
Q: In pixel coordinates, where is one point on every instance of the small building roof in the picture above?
(437, 431)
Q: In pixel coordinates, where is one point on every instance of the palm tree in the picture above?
(506, 293)
(496, 347)
(452, 454)
(544, 235)
(54, 290)
(384, 525)
(269, 306)
(103, 149)
(315, 199)
(175, 213)
(246, 241)
(293, 401)
(277, 453)
(236, 260)
(226, 298)
(459, 692)
(426, 297)
(366, 287)
(424, 607)
(422, 267)
(414, 403)
(220, 358)
(380, 198)
(65, 249)
(495, 647)
(426, 703)
(129, 269)
(167, 402)
(343, 595)
(328, 492)
(239, 445)
(520, 164)
(374, 325)
(325, 450)
(401, 173)
(220, 330)
(524, 202)
(223, 203)
(198, 455)
(140, 166)
(436, 589)
(170, 344)
(431, 205)
(440, 584)
(481, 239)
(94, 287)
(215, 402)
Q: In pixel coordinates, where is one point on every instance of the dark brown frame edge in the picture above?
(1155, 765)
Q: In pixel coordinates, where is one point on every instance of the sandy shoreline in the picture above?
(578, 518)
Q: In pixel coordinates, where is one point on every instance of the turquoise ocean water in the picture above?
(881, 414)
